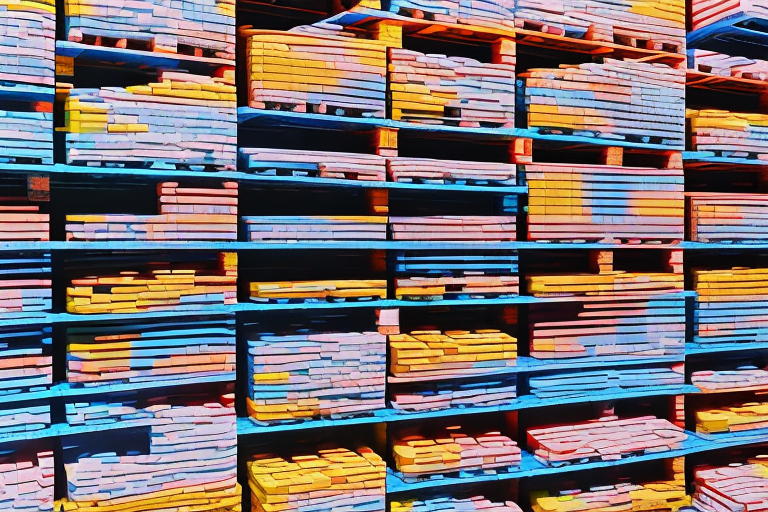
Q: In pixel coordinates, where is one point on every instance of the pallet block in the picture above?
(25, 284)
(316, 291)
(27, 481)
(316, 229)
(574, 384)
(315, 164)
(25, 359)
(730, 218)
(27, 41)
(729, 134)
(731, 488)
(476, 503)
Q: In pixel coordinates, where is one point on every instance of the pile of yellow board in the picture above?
(608, 283)
(718, 217)
(735, 419)
(729, 134)
(313, 291)
(476, 503)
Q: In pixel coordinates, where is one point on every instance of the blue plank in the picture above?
(712, 348)
(725, 36)
(11, 91)
(137, 58)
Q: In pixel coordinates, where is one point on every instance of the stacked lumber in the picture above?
(744, 378)
(25, 359)
(705, 12)
(21, 221)
(476, 503)
(315, 164)
(27, 41)
(477, 12)
(605, 284)
(729, 134)
(207, 26)
(731, 488)
(438, 89)
(652, 24)
(458, 172)
(182, 120)
(453, 452)
(430, 276)
(100, 355)
(27, 136)
(31, 416)
(587, 202)
(319, 291)
(155, 290)
(447, 228)
(719, 217)
(622, 100)
(27, 481)
(319, 375)
(315, 72)
(607, 438)
(333, 479)
(186, 214)
(729, 305)
(578, 384)
(434, 395)
(193, 448)
(715, 63)
(636, 327)
(25, 284)
(735, 419)
(316, 229)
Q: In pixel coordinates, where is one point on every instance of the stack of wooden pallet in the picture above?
(731, 488)
(319, 291)
(705, 12)
(744, 378)
(186, 214)
(476, 12)
(334, 479)
(728, 305)
(27, 481)
(25, 359)
(25, 284)
(27, 41)
(182, 120)
(27, 136)
(577, 384)
(726, 65)
(718, 217)
(21, 220)
(316, 229)
(446, 228)
(476, 503)
(193, 447)
(608, 438)
(729, 134)
(623, 100)
(586, 202)
(315, 72)
(155, 290)
(205, 28)
(298, 377)
(437, 89)
(440, 172)
(652, 24)
(32, 415)
(429, 276)
(454, 452)
(315, 164)
(99, 355)
(734, 419)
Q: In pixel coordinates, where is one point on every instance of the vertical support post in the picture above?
(612, 156)
(385, 141)
(601, 262)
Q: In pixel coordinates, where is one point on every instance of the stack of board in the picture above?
(458, 172)
(314, 164)
(27, 135)
(319, 291)
(729, 134)
(728, 305)
(170, 289)
(438, 89)
(298, 377)
(608, 438)
(476, 12)
(176, 352)
(441, 275)
(734, 419)
(622, 100)
(333, 479)
(434, 394)
(315, 72)
(605, 203)
(706, 12)
(648, 24)
(316, 229)
(27, 481)
(719, 217)
(448, 228)
(182, 120)
(25, 284)
(21, 221)
(611, 327)
(452, 452)
(26, 416)
(744, 378)
(727, 66)
(475, 503)
(27, 41)
(605, 284)
(25, 359)
(732, 488)
(564, 385)
(205, 28)
(192, 448)
(186, 214)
